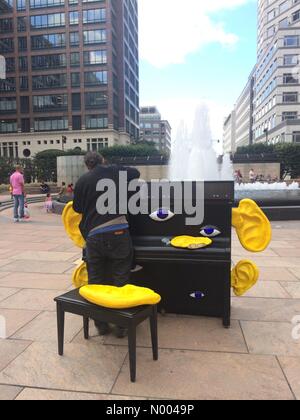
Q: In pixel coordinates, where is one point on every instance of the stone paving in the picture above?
(256, 359)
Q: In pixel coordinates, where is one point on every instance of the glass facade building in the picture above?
(72, 70)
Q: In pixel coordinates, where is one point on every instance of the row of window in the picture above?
(46, 103)
(57, 124)
(97, 36)
(88, 17)
(53, 81)
(45, 62)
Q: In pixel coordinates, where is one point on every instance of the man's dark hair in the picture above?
(92, 159)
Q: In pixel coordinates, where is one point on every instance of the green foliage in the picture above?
(6, 168)
(255, 149)
(43, 165)
(287, 153)
(130, 151)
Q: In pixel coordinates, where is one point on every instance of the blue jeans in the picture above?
(19, 206)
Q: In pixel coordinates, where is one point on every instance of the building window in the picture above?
(8, 105)
(97, 144)
(296, 136)
(50, 124)
(52, 61)
(291, 60)
(76, 122)
(291, 41)
(75, 79)
(95, 100)
(289, 116)
(290, 79)
(95, 57)
(26, 153)
(94, 16)
(290, 97)
(47, 21)
(47, 41)
(7, 45)
(96, 36)
(49, 81)
(8, 126)
(49, 103)
(95, 78)
(96, 121)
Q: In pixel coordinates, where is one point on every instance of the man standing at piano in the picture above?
(109, 249)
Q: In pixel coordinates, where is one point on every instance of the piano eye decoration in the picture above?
(162, 215)
(197, 295)
(210, 231)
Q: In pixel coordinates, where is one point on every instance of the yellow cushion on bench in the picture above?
(125, 297)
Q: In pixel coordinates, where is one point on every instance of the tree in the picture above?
(130, 151)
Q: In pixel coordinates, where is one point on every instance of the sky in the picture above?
(196, 51)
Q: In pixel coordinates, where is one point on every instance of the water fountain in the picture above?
(194, 158)
(193, 155)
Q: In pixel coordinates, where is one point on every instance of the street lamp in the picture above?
(63, 141)
(266, 131)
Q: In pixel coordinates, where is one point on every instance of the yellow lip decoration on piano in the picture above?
(125, 297)
(252, 226)
(244, 276)
(80, 276)
(71, 221)
(190, 242)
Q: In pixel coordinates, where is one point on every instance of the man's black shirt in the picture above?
(86, 196)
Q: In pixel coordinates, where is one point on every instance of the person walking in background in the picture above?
(18, 193)
(252, 176)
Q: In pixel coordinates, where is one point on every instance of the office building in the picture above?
(273, 87)
(72, 75)
(277, 87)
(155, 130)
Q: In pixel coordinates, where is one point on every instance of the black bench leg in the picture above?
(86, 325)
(154, 337)
(132, 352)
(60, 328)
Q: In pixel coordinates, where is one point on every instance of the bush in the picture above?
(43, 166)
(287, 153)
(130, 151)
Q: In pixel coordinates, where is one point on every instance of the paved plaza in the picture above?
(258, 358)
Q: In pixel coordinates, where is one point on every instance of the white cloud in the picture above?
(172, 29)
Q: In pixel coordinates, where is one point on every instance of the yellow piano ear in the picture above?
(71, 221)
(80, 276)
(244, 276)
(252, 226)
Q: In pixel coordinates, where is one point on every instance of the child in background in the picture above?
(26, 211)
(49, 204)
